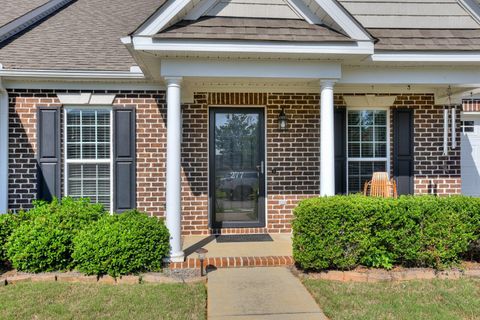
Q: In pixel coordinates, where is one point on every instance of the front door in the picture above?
(237, 167)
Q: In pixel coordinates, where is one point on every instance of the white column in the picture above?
(327, 139)
(3, 149)
(174, 180)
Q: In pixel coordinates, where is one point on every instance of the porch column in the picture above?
(174, 180)
(327, 146)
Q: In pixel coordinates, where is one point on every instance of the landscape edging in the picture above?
(378, 275)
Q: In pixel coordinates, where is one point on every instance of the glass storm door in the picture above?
(237, 167)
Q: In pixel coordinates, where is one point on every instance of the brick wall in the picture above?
(292, 156)
(151, 144)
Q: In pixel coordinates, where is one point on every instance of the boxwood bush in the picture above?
(127, 243)
(342, 232)
(8, 223)
(42, 241)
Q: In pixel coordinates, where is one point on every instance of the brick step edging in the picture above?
(235, 262)
(383, 275)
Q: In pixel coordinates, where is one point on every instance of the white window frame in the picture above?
(361, 159)
(87, 161)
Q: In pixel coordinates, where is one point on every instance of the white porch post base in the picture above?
(327, 142)
(174, 180)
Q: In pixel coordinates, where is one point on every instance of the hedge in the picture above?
(342, 232)
(76, 234)
(122, 244)
(43, 239)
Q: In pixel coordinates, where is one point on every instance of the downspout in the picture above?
(3, 148)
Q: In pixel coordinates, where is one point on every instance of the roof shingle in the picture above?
(82, 36)
(12, 10)
(223, 28)
(427, 39)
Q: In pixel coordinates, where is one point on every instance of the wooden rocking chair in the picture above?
(380, 186)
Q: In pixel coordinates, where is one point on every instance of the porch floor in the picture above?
(237, 254)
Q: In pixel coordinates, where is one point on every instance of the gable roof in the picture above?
(227, 28)
(82, 36)
(326, 12)
(12, 10)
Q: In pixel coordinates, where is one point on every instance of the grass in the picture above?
(54, 300)
(433, 299)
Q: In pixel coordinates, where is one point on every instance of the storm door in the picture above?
(237, 167)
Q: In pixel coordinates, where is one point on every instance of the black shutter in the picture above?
(403, 156)
(48, 158)
(340, 131)
(124, 191)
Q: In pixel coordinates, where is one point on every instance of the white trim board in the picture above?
(392, 56)
(60, 74)
(4, 146)
(427, 75)
(250, 69)
(79, 85)
(226, 46)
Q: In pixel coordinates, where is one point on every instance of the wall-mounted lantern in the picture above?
(282, 121)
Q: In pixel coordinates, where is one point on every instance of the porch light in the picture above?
(202, 252)
(282, 121)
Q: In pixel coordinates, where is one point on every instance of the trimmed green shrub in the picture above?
(127, 243)
(8, 223)
(43, 241)
(342, 232)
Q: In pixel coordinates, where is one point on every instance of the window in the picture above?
(88, 155)
(468, 126)
(367, 146)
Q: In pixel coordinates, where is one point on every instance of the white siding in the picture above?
(278, 9)
(435, 14)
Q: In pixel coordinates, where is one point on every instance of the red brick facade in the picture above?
(292, 156)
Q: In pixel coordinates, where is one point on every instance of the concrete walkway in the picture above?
(259, 293)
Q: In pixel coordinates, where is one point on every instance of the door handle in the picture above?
(262, 167)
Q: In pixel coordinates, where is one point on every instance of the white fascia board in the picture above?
(428, 75)
(250, 69)
(147, 44)
(200, 9)
(426, 57)
(67, 74)
(344, 20)
(160, 19)
(471, 7)
(80, 84)
(302, 10)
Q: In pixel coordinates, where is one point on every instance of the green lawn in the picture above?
(54, 300)
(435, 299)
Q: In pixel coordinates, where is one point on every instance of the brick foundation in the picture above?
(292, 156)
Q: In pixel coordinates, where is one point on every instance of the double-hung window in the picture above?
(367, 144)
(88, 155)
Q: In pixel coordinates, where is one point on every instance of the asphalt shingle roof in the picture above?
(82, 36)
(427, 39)
(11, 10)
(223, 28)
